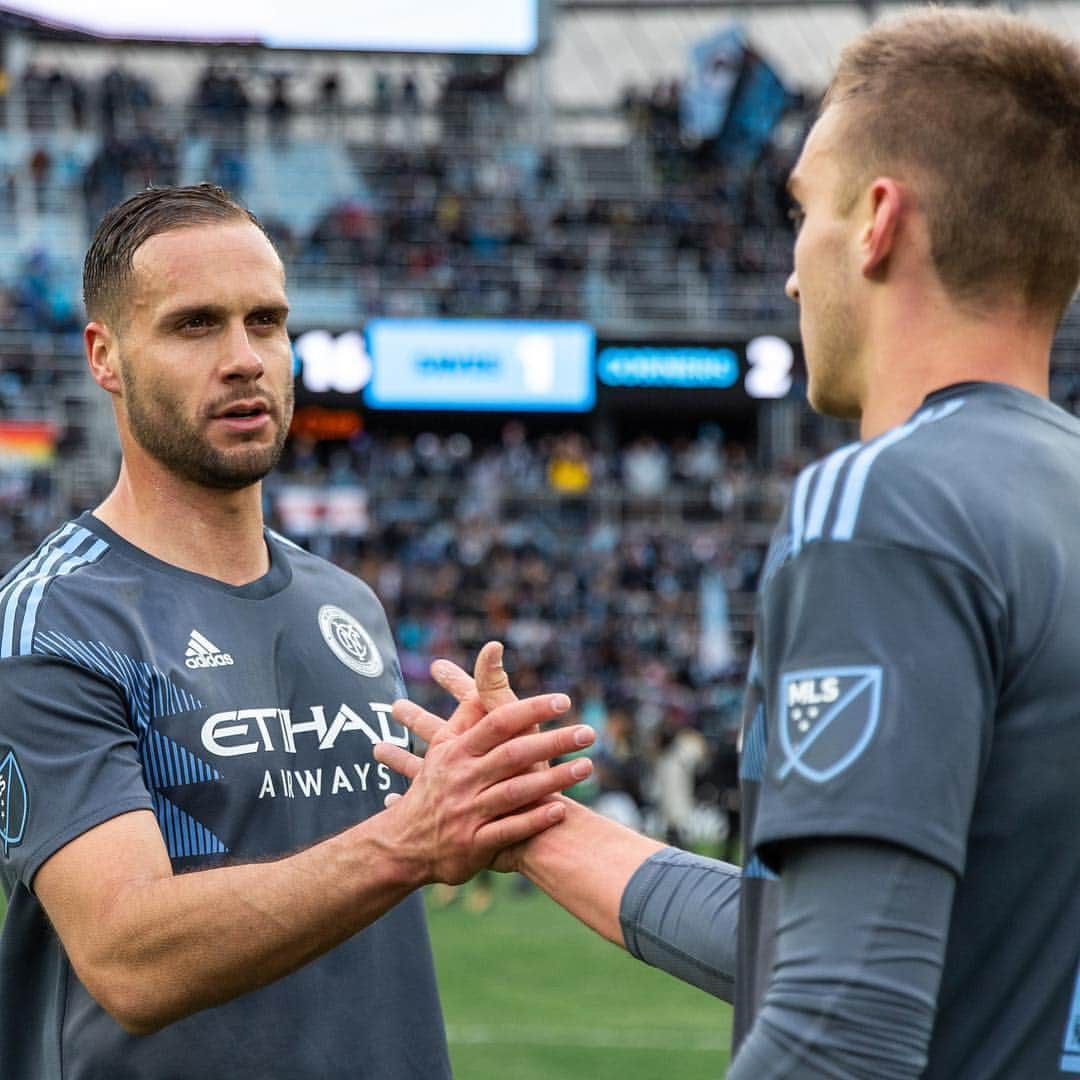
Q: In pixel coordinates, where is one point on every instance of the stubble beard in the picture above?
(159, 426)
(832, 356)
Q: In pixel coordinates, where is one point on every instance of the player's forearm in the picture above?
(585, 865)
(154, 947)
(670, 909)
(175, 945)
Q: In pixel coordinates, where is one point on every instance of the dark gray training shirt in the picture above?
(917, 684)
(244, 718)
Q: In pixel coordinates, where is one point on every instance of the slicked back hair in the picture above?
(108, 269)
(979, 112)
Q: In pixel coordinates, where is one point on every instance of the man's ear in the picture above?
(885, 204)
(102, 356)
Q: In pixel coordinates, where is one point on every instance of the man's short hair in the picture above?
(107, 269)
(979, 111)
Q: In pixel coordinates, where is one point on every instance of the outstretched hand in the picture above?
(476, 696)
(478, 790)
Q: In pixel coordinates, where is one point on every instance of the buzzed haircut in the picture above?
(107, 269)
(979, 111)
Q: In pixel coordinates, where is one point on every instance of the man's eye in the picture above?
(796, 215)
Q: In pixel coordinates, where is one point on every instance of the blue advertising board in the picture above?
(688, 367)
(480, 364)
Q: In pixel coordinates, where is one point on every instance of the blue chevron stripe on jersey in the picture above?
(148, 691)
(184, 836)
(149, 694)
(171, 765)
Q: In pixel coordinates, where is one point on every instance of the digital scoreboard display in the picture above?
(480, 364)
(509, 27)
(669, 376)
(453, 366)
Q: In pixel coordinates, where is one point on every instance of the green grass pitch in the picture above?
(530, 994)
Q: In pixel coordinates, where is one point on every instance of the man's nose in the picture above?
(241, 360)
(792, 287)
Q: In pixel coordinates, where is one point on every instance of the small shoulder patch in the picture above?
(14, 801)
(827, 718)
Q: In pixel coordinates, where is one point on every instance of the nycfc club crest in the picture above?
(14, 801)
(827, 718)
(349, 641)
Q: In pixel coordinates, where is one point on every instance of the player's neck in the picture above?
(218, 534)
(947, 348)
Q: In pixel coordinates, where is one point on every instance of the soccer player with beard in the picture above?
(183, 690)
(910, 764)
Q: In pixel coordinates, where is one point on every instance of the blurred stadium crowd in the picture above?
(475, 223)
(624, 575)
(619, 568)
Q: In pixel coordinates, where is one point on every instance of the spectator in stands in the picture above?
(645, 467)
(682, 754)
(409, 106)
(40, 171)
(329, 94)
(222, 99)
(620, 765)
(568, 471)
(279, 108)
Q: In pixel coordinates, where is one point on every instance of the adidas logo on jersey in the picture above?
(203, 653)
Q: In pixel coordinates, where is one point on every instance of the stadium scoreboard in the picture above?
(521, 366)
(503, 27)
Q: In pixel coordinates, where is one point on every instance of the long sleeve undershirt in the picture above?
(859, 951)
(680, 913)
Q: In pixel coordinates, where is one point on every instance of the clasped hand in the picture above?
(484, 784)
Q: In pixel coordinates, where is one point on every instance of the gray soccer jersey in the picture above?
(917, 681)
(244, 718)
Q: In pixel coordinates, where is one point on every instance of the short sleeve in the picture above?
(879, 665)
(68, 760)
